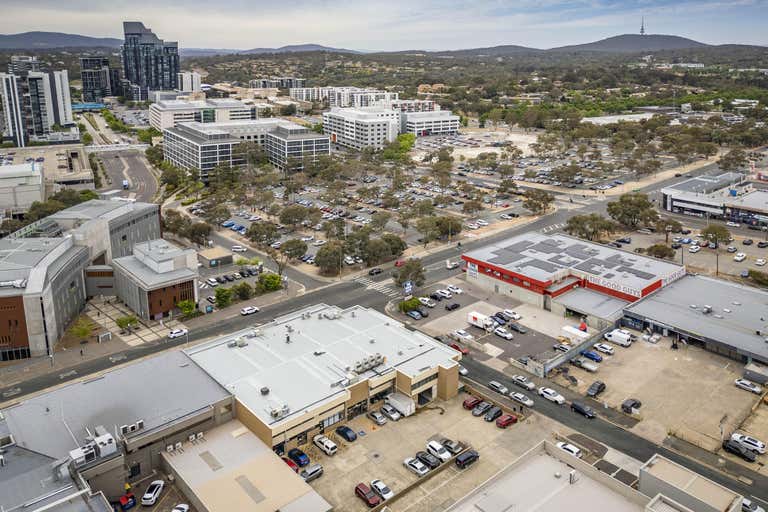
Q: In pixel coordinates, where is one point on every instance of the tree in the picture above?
(427, 226)
(379, 220)
(412, 270)
(270, 282)
(396, 244)
(288, 110)
(293, 215)
(263, 234)
(83, 328)
(244, 291)
(507, 185)
(733, 160)
(448, 226)
(660, 251)
(294, 248)
(329, 257)
(376, 251)
(404, 219)
(471, 207)
(667, 226)
(538, 201)
(126, 322)
(187, 307)
(716, 233)
(217, 214)
(223, 297)
(632, 210)
(198, 233)
(423, 208)
(172, 176)
(590, 227)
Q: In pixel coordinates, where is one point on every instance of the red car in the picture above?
(399, 263)
(367, 495)
(471, 402)
(291, 464)
(464, 351)
(506, 420)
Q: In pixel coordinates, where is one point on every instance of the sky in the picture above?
(384, 25)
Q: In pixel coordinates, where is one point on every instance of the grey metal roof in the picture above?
(23, 262)
(148, 278)
(312, 365)
(159, 390)
(738, 312)
(550, 257)
(756, 200)
(590, 302)
(708, 183)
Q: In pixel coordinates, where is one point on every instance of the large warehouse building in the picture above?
(568, 276)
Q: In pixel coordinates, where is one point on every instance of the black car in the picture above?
(735, 448)
(229, 277)
(428, 459)
(481, 408)
(762, 244)
(423, 311)
(452, 306)
(374, 271)
(629, 404)
(220, 279)
(583, 409)
(685, 231)
(748, 241)
(676, 245)
(436, 296)
(616, 244)
(514, 326)
(492, 414)
(596, 388)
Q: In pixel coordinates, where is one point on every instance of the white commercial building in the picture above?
(167, 114)
(189, 81)
(343, 96)
(421, 124)
(358, 128)
(20, 186)
(410, 105)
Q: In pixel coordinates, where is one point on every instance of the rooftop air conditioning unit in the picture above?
(232, 344)
(140, 424)
(169, 448)
(191, 437)
(123, 429)
(178, 445)
(264, 390)
(199, 436)
(242, 343)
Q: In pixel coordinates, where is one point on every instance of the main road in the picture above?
(129, 165)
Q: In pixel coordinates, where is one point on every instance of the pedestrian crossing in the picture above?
(552, 227)
(383, 287)
(203, 286)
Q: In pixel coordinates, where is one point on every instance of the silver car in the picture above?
(748, 385)
(377, 417)
(521, 398)
(416, 466)
(524, 382)
(390, 412)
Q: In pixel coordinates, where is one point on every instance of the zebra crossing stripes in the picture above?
(552, 227)
(382, 287)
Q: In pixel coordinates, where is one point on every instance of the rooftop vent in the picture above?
(264, 390)
(693, 306)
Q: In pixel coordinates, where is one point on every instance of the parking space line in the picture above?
(427, 493)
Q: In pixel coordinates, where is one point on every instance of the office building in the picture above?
(13, 127)
(20, 186)
(47, 266)
(325, 365)
(205, 146)
(149, 63)
(359, 128)
(169, 113)
(410, 105)
(155, 278)
(423, 124)
(342, 96)
(99, 79)
(189, 81)
(285, 82)
(20, 65)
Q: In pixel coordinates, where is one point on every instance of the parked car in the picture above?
(748, 505)
(181, 507)
(414, 314)
(521, 398)
(454, 447)
(444, 294)
(748, 385)
(466, 459)
(454, 289)
(629, 404)
(749, 442)
(747, 241)
(211, 281)
(464, 351)
(523, 381)
(552, 395)
(481, 408)
(595, 388)
(498, 387)
(463, 335)
(493, 413)
(512, 315)
(471, 402)
(463, 371)
(369, 497)
(499, 319)
(514, 326)
(740, 256)
(427, 302)
(291, 464)
(694, 249)
(452, 306)
(298, 456)
(416, 466)
(177, 333)
(381, 489)
(311, 472)
(506, 420)
(569, 448)
(438, 450)
(436, 296)
(347, 433)
(735, 448)
(249, 310)
(152, 493)
(428, 459)
(583, 409)
(594, 356)
(390, 412)
(760, 262)
(326, 445)
(377, 417)
(503, 333)
(603, 348)
(374, 272)
(561, 347)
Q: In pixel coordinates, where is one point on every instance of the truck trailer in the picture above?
(402, 403)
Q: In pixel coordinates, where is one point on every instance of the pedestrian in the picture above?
(81, 352)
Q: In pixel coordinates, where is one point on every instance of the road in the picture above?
(130, 165)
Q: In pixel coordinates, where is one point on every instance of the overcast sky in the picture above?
(393, 24)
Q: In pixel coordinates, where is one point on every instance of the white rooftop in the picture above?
(195, 104)
(307, 358)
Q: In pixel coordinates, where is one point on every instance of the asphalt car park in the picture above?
(166, 501)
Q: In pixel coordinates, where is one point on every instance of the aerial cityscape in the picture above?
(352, 274)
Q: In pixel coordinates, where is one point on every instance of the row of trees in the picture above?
(40, 209)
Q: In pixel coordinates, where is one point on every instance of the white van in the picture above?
(325, 444)
(619, 337)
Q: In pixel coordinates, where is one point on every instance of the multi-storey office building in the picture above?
(189, 81)
(343, 96)
(169, 113)
(13, 126)
(99, 79)
(359, 128)
(149, 62)
(410, 105)
(20, 65)
(289, 145)
(285, 82)
(422, 124)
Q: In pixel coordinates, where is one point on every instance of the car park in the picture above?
(583, 409)
(521, 398)
(471, 402)
(749, 442)
(177, 333)
(427, 302)
(736, 448)
(498, 387)
(503, 333)
(311, 472)
(416, 466)
(594, 356)
(466, 459)
(739, 257)
(523, 381)
(428, 459)
(438, 450)
(595, 388)
(452, 306)
(454, 289)
(390, 412)
(603, 348)
(298, 456)
(326, 445)
(381, 489)
(369, 497)
(551, 395)
(569, 448)
(481, 408)
(514, 326)
(346, 433)
(249, 310)
(152, 493)
(748, 385)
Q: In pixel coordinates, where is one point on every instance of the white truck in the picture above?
(619, 337)
(574, 334)
(480, 320)
(402, 403)
(450, 265)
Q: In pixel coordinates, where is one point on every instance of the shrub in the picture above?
(409, 305)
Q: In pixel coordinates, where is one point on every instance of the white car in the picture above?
(748, 505)
(503, 333)
(523, 381)
(694, 249)
(444, 294)
(472, 225)
(464, 335)
(181, 507)
(521, 398)
(177, 333)
(570, 449)
(276, 245)
(390, 412)
(307, 238)
(733, 224)
(152, 493)
(740, 256)
(438, 450)
(604, 348)
(415, 466)
(552, 395)
(212, 282)
(463, 371)
(749, 443)
(748, 385)
(760, 262)
(318, 243)
(249, 310)
(511, 314)
(481, 222)
(239, 248)
(454, 289)
(381, 489)
(426, 301)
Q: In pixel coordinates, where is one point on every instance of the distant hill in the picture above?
(42, 40)
(493, 51)
(207, 52)
(633, 43)
(296, 48)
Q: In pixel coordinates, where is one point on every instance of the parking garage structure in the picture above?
(306, 372)
(568, 276)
